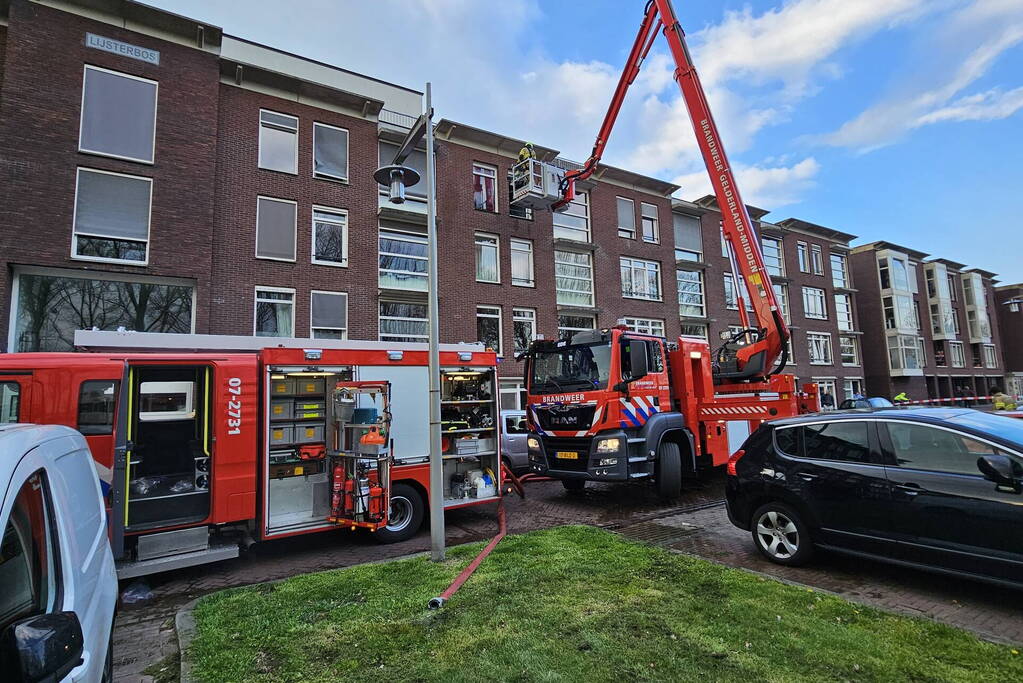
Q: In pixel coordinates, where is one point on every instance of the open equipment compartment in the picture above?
(470, 435)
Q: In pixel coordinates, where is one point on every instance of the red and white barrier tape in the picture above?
(946, 400)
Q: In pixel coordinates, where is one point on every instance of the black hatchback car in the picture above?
(940, 488)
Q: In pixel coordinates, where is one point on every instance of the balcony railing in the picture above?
(396, 118)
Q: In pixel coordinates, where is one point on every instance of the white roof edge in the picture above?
(165, 341)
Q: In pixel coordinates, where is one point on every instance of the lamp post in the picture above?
(397, 176)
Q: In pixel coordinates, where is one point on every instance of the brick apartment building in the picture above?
(164, 176)
(1009, 312)
(932, 321)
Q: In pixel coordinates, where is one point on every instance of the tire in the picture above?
(405, 517)
(781, 535)
(573, 484)
(669, 471)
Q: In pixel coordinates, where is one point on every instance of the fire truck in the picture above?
(616, 405)
(206, 444)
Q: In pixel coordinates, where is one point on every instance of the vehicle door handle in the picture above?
(909, 489)
(808, 476)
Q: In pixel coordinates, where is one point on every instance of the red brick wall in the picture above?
(39, 117)
(1010, 327)
(239, 181)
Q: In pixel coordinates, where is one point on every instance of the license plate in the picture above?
(567, 455)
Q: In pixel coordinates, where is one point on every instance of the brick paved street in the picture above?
(144, 634)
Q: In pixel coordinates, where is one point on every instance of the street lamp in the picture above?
(396, 176)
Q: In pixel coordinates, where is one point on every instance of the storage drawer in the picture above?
(308, 432)
(305, 386)
(281, 434)
(282, 387)
(306, 409)
(281, 409)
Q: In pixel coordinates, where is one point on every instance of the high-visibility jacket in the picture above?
(527, 153)
(901, 397)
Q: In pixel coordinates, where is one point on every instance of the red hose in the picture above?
(438, 602)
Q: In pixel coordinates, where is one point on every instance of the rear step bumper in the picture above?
(217, 551)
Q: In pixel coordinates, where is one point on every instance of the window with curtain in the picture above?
(275, 228)
(111, 220)
(484, 187)
(330, 152)
(640, 279)
(328, 318)
(403, 322)
(573, 275)
(275, 313)
(487, 261)
(118, 115)
(522, 262)
(278, 141)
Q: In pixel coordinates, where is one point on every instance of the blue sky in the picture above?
(889, 119)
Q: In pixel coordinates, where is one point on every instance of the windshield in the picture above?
(583, 367)
(1008, 428)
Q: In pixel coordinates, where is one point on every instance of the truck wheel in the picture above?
(405, 517)
(669, 471)
(573, 484)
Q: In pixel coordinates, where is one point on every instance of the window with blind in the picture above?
(111, 221)
(328, 317)
(275, 229)
(650, 223)
(118, 115)
(688, 238)
(626, 218)
(278, 142)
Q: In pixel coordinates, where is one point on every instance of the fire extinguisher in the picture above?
(376, 503)
(335, 499)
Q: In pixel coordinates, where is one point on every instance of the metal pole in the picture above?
(436, 458)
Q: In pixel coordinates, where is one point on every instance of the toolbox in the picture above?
(281, 409)
(282, 387)
(303, 410)
(308, 432)
(305, 386)
(282, 434)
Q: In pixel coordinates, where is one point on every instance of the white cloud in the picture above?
(986, 106)
(769, 187)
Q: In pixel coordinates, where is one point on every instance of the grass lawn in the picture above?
(571, 604)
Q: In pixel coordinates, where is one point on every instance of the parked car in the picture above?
(59, 586)
(868, 403)
(513, 440)
(940, 488)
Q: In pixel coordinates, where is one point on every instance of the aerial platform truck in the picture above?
(616, 405)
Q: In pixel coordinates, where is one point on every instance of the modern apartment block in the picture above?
(161, 175)
(932, 324)
(1009, 313)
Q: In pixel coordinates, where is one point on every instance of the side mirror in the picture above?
(45, 647)
(999, 469)
(638, 369)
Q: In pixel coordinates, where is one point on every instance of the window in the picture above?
(839, 274)
(648, 220)
(691, 302)
(275, 229)
(111, 220)
(898, 312)
(697, 330)
(514, 424)
(842, 440)
(403, 260)
(688, 238)
(814, 303)
(939, 354)
(725, 249)
(278, 142)
(118, 115)
(922, 447)
(955, 322)
(403, 322)
(900, 275)
(29, 562)
(990, 361)
(884, 274)
(804, 257)
(730, 293)
(773, 257)
(848, 348)
(570, 324)
(820, 348)
(852, 387)
(781, 295)
(646, 326)
(275, 312)
(953, 291)
(488, 327)
(817, 259)
(916, 315)
(330, 152)
(484, 188)
(626, 218)
(978, 362)
(415, 160)
(488, 268)
(97, 401)
(328, 316)
(955, 350)
(843, 312)
(640, 279)
(330, 237)
(573, 275)
(914, 285)
(825, 386)
(10, 402)
(52, 304)
(921, 351)
(574, 222)
(523, 328)
(521, 262)
(513, 394)
(903, 352)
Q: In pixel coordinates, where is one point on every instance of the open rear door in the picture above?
(122, 456)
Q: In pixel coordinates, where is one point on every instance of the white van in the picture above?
(58, 587)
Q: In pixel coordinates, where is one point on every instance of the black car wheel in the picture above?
(780, 534)
(669, 471)
(573, 484)
(405, 517)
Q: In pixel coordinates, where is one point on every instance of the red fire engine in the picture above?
(206, 443)
(615, 405)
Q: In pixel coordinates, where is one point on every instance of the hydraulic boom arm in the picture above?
(735, 361)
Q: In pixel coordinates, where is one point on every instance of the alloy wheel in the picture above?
(778, 534)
